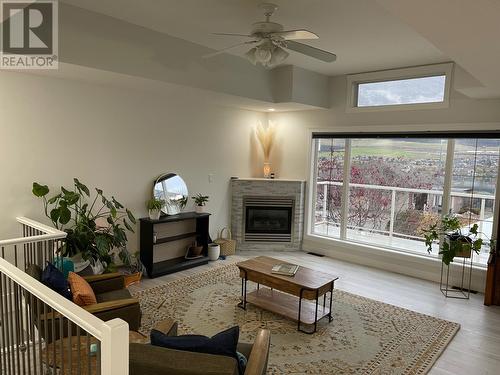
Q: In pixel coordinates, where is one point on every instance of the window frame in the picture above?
(424, 132)
(353, 81)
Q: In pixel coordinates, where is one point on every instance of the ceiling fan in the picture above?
(271, 41)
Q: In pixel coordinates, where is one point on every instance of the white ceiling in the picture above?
(467, 31)
(362, 33)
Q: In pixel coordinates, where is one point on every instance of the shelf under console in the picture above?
(286, 305)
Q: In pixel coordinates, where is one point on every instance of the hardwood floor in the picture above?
(474, 350)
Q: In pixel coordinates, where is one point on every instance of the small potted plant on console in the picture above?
(154, 206)
(200, 201)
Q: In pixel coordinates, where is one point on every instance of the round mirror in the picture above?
(173, 190)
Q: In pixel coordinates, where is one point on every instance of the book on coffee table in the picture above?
(285, 269)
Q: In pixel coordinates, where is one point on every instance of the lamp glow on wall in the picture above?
(266, 137)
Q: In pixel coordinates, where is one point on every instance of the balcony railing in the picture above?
(42, 332)
(435, 195)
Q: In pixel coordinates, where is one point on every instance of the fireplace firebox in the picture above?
(268, 219)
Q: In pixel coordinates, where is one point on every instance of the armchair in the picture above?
(113, 301)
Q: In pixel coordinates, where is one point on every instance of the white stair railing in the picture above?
(42, 332)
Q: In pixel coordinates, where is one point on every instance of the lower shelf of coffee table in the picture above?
(287, 305)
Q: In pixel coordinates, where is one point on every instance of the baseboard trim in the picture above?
(406, 264)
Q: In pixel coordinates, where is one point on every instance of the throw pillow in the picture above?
(83, 295)
(55, 280)
(223, 343)
(242, 362)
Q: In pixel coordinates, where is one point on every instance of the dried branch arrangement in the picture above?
(266, 135)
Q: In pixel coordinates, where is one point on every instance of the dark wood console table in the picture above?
(164, 242)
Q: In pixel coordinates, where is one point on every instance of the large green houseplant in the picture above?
(454, 241)
(94, 227)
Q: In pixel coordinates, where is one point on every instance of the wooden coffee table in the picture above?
(281, 293)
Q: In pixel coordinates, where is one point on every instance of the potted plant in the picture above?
(132, 268)
(94, 227)
(154, 206)
(455, 243)
(200, 201)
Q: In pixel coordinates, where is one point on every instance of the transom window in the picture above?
(383, 191)
(401, 91)
(422, 87)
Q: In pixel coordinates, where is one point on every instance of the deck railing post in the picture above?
(393, 212)
(325, 201)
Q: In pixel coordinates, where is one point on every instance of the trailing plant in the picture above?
(200, 200)
(155, 204)
(93, 226)
(457, 241)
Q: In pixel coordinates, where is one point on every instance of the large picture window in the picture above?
(384, 191)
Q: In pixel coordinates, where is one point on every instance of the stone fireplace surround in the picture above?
(242, 188)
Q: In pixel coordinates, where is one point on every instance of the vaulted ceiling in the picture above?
(366, 35)
(363, 34)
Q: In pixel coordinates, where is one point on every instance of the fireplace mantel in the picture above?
(244, 188)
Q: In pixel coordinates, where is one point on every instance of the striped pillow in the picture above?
(83, 295)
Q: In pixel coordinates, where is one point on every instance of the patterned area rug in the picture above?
(365, 337)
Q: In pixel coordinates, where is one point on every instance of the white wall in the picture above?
(52, 130)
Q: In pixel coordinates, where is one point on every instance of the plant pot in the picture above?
(464, 254)
(461, 245)
(463, 249)
(199, 209)
(79, 264)
(132, 278)
(154, 214)
(194, 251)
(213, 251)
(97, 267)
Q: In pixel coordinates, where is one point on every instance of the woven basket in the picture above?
(227, 245)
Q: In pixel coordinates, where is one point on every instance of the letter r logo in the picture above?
(28, 28)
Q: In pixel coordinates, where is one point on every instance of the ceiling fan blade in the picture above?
(311, 51)
(300, 34)
(231, 34)
(227, 48)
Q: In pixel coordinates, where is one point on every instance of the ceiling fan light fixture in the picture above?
(278, 56)
(250, 55)
(272, 40)
(263, 54)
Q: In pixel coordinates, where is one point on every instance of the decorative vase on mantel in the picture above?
(267, 169)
